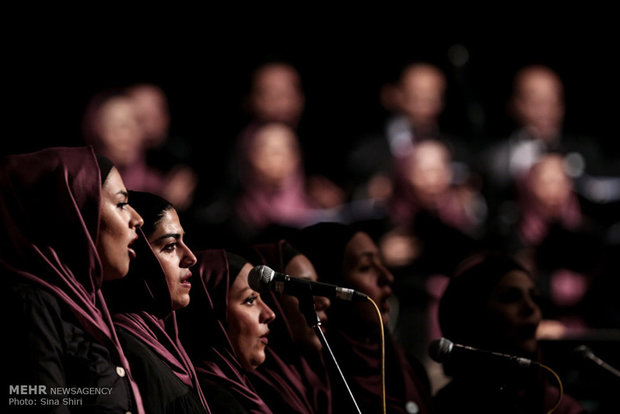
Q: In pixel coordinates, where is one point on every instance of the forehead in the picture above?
(240, 283)
(516, 278)
(276, 75)
(359, 245)
(113, 183)
(423, 77)
(300, 266)
(169, 222)
(274, 135)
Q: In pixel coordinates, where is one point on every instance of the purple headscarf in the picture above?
(287, 370)
(49, 215)
(202, 327)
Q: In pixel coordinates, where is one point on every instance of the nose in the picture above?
(136, 219)
(385, 276)
(189, 259)
(529, 306)
(266, 315)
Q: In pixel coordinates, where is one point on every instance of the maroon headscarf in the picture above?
(299, 379)
(49, 214)
(202, 328)
(141, 304)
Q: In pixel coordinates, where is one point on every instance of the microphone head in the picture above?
(260, 277)
(440, 349)
(583, 351)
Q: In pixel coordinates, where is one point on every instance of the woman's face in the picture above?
(248, 317)
(275, 154)
(174, 255)
(119, 131)
(429, 171)
(303, 334)
(364, 271)
(514, 312)
(117, 228)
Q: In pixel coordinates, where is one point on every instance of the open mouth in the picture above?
(132, 252)
(185, 280)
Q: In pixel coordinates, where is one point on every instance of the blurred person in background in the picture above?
(111, 125)
(171, 155)
(491, 304)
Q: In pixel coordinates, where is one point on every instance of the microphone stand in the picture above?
(306, 305)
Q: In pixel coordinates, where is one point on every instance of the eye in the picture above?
(122, 205)
(251, 299)
(364, 268)
(509, 296)
(169, 247)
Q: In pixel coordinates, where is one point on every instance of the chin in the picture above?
(255, 363)
(530, 345)
(115, 274)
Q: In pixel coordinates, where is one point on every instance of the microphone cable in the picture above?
(561, 387)
(383, 399)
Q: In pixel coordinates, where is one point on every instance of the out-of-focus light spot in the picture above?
(574, 164)
(458, 55)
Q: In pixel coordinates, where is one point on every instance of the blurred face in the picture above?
(117, 228)
(275, 155)
(429, 171)
(364, 271)
(175, 257)
(277, 95)
(152, 114)
(301, 267)
(550, 185)
(421, 95)
(514, 312)
(248, 317)
(539, 102)
(119, 132)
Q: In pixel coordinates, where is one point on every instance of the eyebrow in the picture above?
(242, 291)
(167, 235)
(123, 193)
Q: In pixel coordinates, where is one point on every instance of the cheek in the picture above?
(503, 317)
(367, 284)
(112, 227)
(240, 329)
(170, 272)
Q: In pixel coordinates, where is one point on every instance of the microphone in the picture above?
(263, 278)
(442, 349)
(586, 352)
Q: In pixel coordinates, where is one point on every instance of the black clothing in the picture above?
(48, 347)
(166, 392)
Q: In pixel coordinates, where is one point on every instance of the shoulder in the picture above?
(157, 382)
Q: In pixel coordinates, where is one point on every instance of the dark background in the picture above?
(51, 73)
